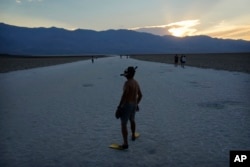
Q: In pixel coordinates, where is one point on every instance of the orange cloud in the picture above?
(231, 32)
(188, 28)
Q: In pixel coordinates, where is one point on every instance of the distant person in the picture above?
(183, 60)
(92, 59)
(128, 105)
(176, 60)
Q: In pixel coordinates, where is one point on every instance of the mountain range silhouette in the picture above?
(58, 41)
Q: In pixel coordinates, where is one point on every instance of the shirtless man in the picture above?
(130, 99)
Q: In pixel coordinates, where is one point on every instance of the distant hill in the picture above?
(57, 41)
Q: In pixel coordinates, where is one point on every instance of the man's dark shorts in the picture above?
(128, 113)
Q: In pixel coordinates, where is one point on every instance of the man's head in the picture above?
(129, 72)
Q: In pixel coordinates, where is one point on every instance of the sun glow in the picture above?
(178, 32)
(183, 28)
(178, 29)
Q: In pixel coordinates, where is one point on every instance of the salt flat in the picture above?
(64, 115)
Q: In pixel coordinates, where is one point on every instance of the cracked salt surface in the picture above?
(64, 115)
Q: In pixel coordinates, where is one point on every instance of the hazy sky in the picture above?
(216, 18)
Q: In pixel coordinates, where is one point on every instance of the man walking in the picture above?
(130, 99)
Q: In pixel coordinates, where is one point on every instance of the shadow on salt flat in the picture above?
(219, 104)
(198, 85)
(88, 85)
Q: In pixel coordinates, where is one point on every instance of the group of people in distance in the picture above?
(182, 60)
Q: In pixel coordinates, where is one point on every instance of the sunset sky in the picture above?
(215, 18)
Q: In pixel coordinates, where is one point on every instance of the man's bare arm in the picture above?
(139, 96)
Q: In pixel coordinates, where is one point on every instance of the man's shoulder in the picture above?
(136, 81)
(131, 82)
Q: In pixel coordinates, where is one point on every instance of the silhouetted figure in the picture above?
(130, 99)
(183, 60)
(176, 60)
(92, 59)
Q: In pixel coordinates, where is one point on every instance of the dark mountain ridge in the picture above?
(58, 41)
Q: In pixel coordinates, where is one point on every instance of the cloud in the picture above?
(145, 27)
(180, 29)
(230, 32)
(185, 23)
(183, 28)
(223, 29)
(157, 30)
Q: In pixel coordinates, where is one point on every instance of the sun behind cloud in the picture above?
(183, 28)
(178, 29)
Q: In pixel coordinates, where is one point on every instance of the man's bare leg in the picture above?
(125, 134)
(133, 125)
